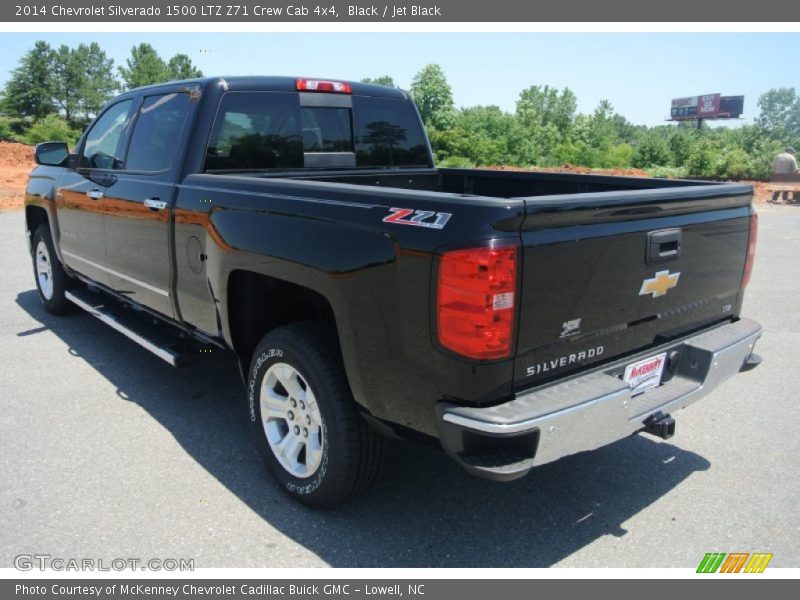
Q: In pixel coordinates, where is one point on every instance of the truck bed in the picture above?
(584, 242)
(509, 184)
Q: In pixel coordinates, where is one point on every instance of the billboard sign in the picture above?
(684, 107)
(707, 106)
(731, 106)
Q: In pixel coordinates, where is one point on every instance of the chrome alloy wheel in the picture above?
(44, 270)
(291, 420)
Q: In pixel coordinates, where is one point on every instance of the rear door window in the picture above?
(157, 129)
(256, 130)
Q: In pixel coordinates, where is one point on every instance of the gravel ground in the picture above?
(107, 452)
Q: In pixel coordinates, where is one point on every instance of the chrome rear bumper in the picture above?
(591, 410)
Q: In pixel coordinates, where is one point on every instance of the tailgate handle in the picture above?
(663, 245)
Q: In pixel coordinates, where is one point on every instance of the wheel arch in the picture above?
(35, 216)
(258, 303)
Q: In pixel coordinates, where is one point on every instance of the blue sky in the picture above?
(638, 73)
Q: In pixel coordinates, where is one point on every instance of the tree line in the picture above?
(546, 130)
(54, 92)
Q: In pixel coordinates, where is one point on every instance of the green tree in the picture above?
(433, 97)
(98, 83)
(701, 160)
(780, 113)
(144, 67)
(498, 137)
(680, 144)
(382, 80)
(543, 105)
(180, 67)
(28, 93)
(653, 151)
(68, 82)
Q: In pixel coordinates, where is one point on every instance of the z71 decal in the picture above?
(420, 218)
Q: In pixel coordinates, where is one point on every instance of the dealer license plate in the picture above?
(645, 374)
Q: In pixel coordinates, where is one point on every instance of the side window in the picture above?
(160, 122)
(101, 150)
(256, 130)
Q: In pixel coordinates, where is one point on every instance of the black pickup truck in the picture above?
(511, 318)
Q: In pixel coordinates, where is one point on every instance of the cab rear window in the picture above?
(271, 130)
(388, 134)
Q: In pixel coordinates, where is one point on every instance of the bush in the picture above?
(574, 153)
(51, 129)
(680, 145)
(618, 156)
(667, 172)
(733, 164)
(456, 162)
(761, 166)
(701, 161)
(652, 151)
(6, 132)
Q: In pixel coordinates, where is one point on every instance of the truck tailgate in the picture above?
(609, 274)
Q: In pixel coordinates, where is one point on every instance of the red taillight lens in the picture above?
(751, 249)
(475, 301)
(318, 85)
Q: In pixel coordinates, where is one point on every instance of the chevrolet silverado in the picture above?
(510, 318)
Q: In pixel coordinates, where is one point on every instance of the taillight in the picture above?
(751, 249)
(318, 85)
(476, 296)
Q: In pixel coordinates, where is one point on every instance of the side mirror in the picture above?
(53, 154)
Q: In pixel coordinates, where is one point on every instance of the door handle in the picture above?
(94, 194)
(155, 204)
(664, 245)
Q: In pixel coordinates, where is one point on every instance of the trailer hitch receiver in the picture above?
(660, 425)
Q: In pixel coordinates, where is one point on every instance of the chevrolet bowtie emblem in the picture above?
(660, 284)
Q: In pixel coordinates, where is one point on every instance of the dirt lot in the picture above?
(16, 161)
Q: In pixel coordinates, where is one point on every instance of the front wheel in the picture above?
(52, 282)
(305, 421)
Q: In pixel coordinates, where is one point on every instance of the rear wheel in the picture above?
(52, 281)
(305, 421)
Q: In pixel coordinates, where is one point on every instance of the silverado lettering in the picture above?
(564, 361)
(218, 210)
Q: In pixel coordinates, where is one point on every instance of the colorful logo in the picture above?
(660, 284)
(734, 562)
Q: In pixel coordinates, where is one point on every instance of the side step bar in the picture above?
(166, 346)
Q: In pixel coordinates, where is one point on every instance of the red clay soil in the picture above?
(16, 162)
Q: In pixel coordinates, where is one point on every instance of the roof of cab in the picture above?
(277, 84)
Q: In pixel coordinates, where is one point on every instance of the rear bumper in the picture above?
(591, 410)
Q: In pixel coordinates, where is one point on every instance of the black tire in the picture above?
(57, 303)
(352, 454)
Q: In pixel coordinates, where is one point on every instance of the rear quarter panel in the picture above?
(331, 238)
